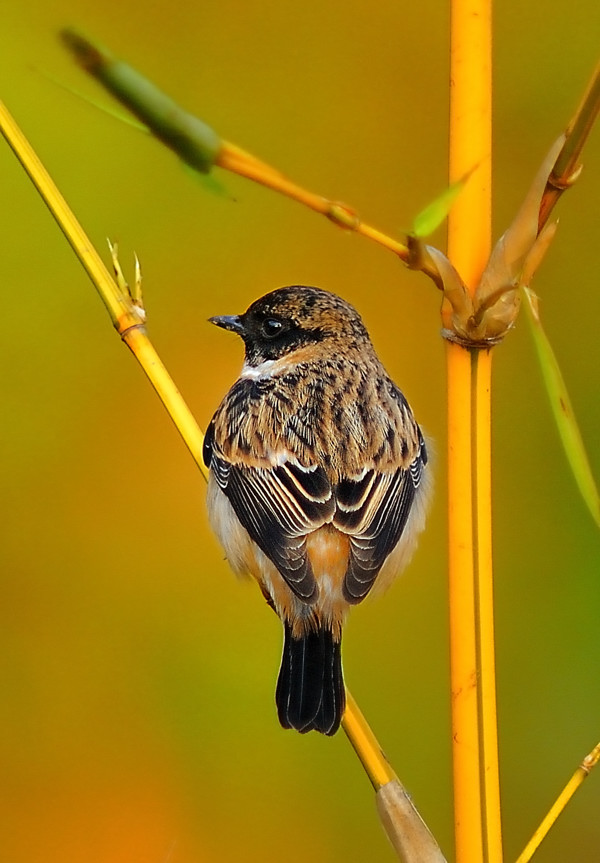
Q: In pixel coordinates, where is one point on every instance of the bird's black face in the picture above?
(290, 318)
(268, 336)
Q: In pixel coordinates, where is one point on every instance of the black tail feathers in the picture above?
(310, 690)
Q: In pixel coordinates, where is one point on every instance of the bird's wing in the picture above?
(373, 510)
(278, 506)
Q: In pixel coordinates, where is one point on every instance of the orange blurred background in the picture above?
(137, 722)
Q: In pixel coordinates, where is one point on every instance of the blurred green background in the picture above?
(137, 722)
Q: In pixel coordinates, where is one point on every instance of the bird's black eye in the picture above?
(271, 328)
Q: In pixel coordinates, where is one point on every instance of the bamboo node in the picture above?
(591, 760)
(134, 316)
(562, 183)
(125, 331)
(343, 216)
(466, 341)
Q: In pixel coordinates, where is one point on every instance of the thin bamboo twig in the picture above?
(475, 757)
(199, 146)
(567, 168)
(407, 831)
(233, 158)
(575, 782)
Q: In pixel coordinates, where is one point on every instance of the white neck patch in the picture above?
(262, 370)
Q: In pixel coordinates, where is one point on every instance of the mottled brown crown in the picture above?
(311, 309)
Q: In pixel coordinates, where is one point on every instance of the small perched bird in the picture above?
(318, 482)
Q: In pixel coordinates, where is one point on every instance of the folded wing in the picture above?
(280, 505)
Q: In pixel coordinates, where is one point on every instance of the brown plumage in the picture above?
(318, 482)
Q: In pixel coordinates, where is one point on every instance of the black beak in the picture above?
(229, 322)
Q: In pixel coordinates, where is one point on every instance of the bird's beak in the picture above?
(229, 322)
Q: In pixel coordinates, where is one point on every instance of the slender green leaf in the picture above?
(563, 410)
(432, 216)
(106, 109)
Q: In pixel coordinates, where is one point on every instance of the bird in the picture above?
(318, 482)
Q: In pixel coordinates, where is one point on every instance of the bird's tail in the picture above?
(310, 690)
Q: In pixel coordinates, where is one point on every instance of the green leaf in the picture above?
(106, 109)
(194, 142)
(209, 183)
(563, 410)
(432, 216)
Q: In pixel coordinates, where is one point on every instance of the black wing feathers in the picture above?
(370, 547)
(207, 446)
(280, 506)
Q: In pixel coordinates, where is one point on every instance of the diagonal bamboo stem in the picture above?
(376, 766)
(583, 771)
(127, 317)
(567, 167)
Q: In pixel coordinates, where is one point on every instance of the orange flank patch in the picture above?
(328, 551)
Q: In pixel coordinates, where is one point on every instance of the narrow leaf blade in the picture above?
(432, 216)
(563, 410)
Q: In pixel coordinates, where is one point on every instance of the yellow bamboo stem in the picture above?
(377, 767)
(484, 596)
(469, 221)
(475, 758)
(117, 306)
(463, 654)
(143, 350)
(560, 803)
(127, 318)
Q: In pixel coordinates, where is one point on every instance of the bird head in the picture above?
(295, 317)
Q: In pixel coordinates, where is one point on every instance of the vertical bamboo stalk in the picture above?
(474, 735)
(484, 621)
(463, 655)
